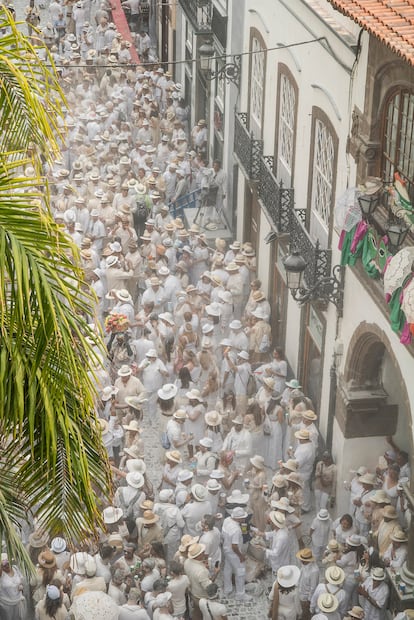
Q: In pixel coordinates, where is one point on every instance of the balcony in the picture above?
(247, 149)
(276, 199)
(200, 14)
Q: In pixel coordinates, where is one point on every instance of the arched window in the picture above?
(257, 82)
(286, 125)
(398, 137)
(324, 145)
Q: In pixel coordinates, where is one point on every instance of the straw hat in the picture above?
(288, 576)
(195, 550)
(187, 541)
(206, 442)
(295, 478)
(354, 540)
(133, 451)
(38, 539)
(173, 456)
(277, 518)
(269, 382)
(135, 402)
(323, 514)
(149, 517)
(283, 504)
(184, 475)
(232, 267)
(334, 575)
(357, 612)
(213, 485)
(279, 481)
(327, 602)
(213, 418)
(380, 497)
(132, 426)
(309, 415)
(302, 435)
(368, 478)
(389, 512)
(399, 536)
(333, 545)
(291, 465)
(257, 461)
(46, 559)
(194, 395)
(305, 555)
(124, 371)
(180, 414)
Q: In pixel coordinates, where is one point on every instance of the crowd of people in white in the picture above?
(190, 358)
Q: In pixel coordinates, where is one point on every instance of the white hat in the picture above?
(236, 324)
(288, 576)
(206, 442)
(124, 371)
(161, 600)
(323, 514)
(328, 602)
(259, 313)
(184, 474)
(111, 261)
(213, 485)
(112, 514)
(136, 465)
(58, 545)
(132, 426)
(243, 354)
(214, 309)
(334, 575)
(122, 294)
(216, 474)
(207, 328)
(180, 414)
(194, 394)
(135, 402)
(151, 353)
(237, 497)
(108, 392)
(135, 479)
(168, 390)
(277, 518)
(199, 492)
(238, 513)
(166, 495)
(78, 561)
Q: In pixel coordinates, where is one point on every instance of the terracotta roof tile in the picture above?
(391, 21)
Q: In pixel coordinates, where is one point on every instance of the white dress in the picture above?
(289, 603)
(273, 443)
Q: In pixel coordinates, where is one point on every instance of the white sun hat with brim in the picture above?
(238, 513)
(184, 475)
(132, 426)
(194, 394)
(199, 492)
(124, 371)
(217, 474)
(213, 485)
(327, 602)
(168, 391)
(108, 392)
(288, 576)
(136, 402)
(237, 497)
(195, 550)
(78, 562)
(277, 518)
(136, 465)
(135, 480)
(334, 575)
(112, 514)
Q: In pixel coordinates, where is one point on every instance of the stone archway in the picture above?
(364, 406)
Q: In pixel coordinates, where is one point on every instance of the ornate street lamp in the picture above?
(396, 234)
(326, 289)
(230, 71)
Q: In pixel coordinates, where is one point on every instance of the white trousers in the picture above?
(233, 566)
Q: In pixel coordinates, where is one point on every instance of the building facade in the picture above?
(323, 103)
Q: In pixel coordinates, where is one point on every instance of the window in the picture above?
(287, 122)
(323, 176)
(257, 79)
(398, 138)
(286, 125)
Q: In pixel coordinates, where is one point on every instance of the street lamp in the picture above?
(230, 71)
(370, 194)
(396, 234)
(326, 289)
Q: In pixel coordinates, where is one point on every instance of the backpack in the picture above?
(165, 441)
(251, 385)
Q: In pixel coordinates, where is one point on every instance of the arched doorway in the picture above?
(372, 403)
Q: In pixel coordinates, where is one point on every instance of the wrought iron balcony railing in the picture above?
(200, 14)
(319, 260)
(278, 200)
(247, 149)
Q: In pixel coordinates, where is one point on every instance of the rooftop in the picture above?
(391, 21)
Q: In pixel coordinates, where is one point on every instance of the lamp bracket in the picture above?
(327, 289)
(229, 72)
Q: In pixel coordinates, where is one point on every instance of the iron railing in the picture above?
(247, 149)
(200, 13)
(319, 260)
(278, 200)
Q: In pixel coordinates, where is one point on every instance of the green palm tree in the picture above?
(52, 462)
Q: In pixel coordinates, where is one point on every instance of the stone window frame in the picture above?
(285, 73)
(318, 115)
(255, 122)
